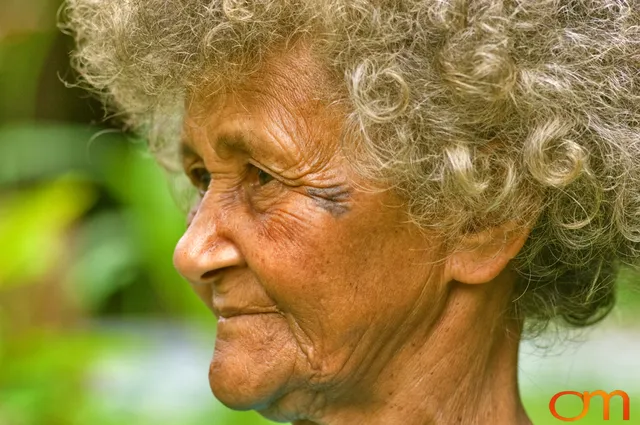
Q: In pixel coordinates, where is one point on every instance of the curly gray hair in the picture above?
(475, 111)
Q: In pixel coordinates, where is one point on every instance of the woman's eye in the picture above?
(263, 177)
(201, 179)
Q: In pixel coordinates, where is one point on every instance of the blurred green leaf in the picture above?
(32, 224)
(32, 151)
(42, 381)
(22, 59)
(157, 224)
(108, 258)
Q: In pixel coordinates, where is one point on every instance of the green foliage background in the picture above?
(87, 230)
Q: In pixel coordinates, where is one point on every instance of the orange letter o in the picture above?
(554, 412)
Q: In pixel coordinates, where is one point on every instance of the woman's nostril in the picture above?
(210, 275)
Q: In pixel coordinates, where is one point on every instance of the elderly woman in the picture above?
(391, 194)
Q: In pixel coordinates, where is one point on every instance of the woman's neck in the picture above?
(460, 370)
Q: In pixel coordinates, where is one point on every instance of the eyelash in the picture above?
(201, 178)
(264, 178)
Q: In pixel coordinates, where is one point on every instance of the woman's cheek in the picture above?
(288, 218)
(291, 244)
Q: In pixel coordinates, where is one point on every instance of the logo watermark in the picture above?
(586, 397)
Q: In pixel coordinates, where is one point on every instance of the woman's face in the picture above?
(316, 284)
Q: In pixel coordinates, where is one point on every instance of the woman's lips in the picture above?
(229, 312)
(238, 314)
(240, 320)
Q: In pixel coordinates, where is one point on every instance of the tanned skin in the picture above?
(333, 308)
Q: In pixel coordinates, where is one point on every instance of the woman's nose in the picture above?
(203, 250)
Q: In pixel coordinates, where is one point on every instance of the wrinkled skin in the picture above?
(321, 289)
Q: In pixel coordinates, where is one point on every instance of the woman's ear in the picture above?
(481, 256)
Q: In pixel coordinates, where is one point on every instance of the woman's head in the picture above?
(318, 285)
(476, 113)
(435, 138)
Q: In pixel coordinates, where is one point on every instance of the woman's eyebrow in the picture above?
(234, 143)
(225, 144)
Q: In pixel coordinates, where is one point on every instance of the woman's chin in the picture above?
(267, 394)
(250, 394)
(252, 364)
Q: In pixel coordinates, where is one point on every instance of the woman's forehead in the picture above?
(293, 75)
(286, 98)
